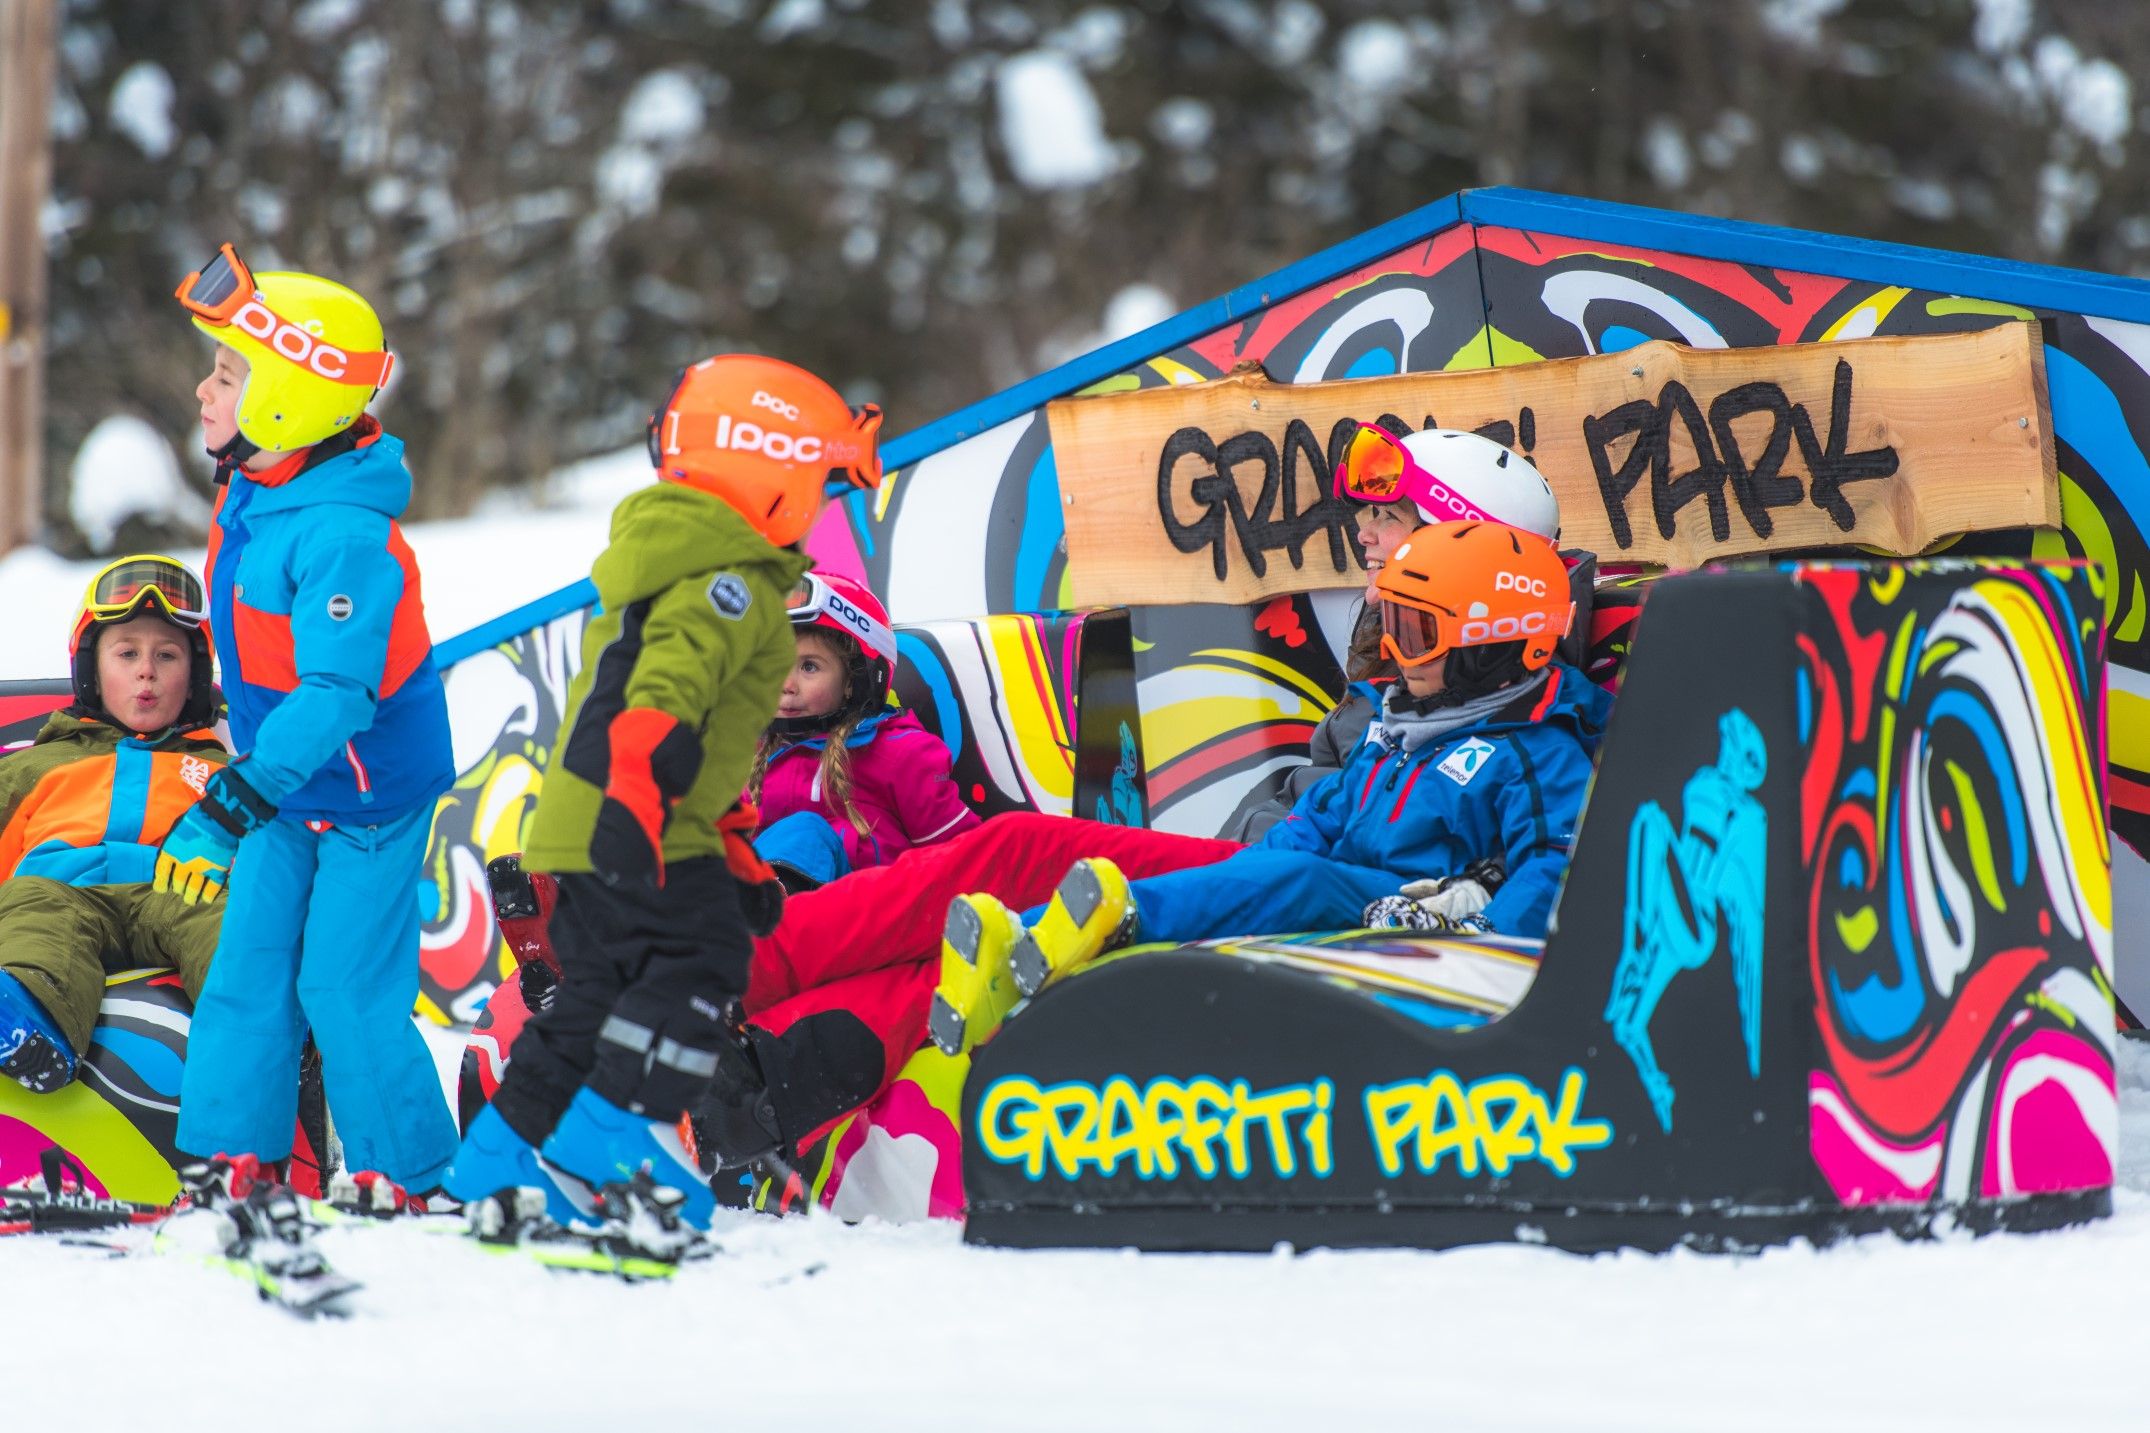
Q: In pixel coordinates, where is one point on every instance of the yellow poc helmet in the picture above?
(313, 349)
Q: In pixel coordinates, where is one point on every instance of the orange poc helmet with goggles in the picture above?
(125, 589)
(766, 437)
(1473, 584)
(313, 348)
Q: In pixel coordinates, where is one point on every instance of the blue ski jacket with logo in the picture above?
(1510, 786)
(321, 640)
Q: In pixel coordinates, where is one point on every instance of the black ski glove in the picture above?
(761, 894)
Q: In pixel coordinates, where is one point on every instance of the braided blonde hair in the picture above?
(835, 773)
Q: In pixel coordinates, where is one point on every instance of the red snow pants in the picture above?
(869, 946)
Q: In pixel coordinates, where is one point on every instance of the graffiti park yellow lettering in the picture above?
(1206, 1123)
(1493, 1123)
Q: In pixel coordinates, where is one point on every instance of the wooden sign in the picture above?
(1222, 491)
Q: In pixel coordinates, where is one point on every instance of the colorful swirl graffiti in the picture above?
(504, 709)
(1958, 884)
(1553, 297)
(1001, 694)
(118, 1121)
(117, 1124)
(24, 706)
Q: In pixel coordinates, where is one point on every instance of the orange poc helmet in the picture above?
(1473, 584)
(766, 437)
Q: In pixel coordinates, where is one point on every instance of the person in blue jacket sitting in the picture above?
(1483, 755)
(320, 822)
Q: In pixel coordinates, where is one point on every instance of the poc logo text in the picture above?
(1517, 582)
(745, 436)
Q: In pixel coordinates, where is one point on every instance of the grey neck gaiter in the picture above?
(1409, 730)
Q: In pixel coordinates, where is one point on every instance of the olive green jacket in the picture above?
(692, 623)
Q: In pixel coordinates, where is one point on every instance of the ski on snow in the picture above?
(234, 1217)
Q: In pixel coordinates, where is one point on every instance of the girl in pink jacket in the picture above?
(843, 780)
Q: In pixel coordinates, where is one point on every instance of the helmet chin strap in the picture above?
(1469, 673)
(236, 451)
(805, 726)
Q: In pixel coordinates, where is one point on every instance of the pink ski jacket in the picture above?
(900, 784)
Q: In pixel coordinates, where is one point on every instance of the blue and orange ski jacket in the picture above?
(89, 803)
(1510, 786)
(336, 706)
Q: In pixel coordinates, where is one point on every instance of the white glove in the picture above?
(1449, 897)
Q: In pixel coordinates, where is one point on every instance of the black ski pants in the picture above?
(645, 975)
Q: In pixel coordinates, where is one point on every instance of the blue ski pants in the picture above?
(1255, 892)
(320, 930)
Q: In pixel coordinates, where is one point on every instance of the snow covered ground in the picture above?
(908, 1328)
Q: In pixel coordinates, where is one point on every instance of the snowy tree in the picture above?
(555, 205)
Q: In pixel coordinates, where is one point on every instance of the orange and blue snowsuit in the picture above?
(341, 724)
(81, 813)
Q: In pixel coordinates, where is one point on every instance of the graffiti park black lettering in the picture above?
(1720, 461)
(1830, 465)
(1274, 521)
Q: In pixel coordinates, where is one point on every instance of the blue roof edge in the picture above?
(2039, 286)
(580, 593)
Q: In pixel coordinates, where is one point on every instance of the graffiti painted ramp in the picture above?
(1834, 955)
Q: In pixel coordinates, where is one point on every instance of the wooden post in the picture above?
(28, 47)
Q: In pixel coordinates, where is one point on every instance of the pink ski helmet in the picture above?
(846, 605)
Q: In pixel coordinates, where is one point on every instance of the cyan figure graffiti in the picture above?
(1684, 888)
(1125, 808)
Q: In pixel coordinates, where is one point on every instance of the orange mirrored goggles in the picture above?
(222, 294)
(1377, 469)
(125, 586)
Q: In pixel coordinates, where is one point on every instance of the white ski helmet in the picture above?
(1501, 484)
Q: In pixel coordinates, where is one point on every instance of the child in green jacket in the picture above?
(681, 671)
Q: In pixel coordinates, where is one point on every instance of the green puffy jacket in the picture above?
(692, 624)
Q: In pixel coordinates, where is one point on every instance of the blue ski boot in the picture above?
(33, 1052)
(494, 1157)
(599, 1142)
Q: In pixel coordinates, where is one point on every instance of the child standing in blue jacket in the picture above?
(320, 823)
(1483, 752)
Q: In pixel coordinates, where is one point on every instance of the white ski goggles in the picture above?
(815, 603)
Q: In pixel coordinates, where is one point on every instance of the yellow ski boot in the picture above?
(977, 989)
(1092, 912)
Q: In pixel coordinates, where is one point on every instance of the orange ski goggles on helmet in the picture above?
(1377, 469)
(222, 294)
